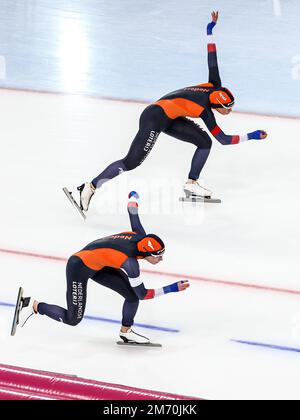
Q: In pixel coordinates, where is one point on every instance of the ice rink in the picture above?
(242, 256)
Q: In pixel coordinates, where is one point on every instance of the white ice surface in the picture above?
(51, 141)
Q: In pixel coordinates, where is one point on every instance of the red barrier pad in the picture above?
(20, 383)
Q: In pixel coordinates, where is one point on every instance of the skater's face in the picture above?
(154, 260)
(224, 111)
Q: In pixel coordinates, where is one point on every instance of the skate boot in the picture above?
(134, 338)
(26, 311)
(194, 189)
(86, 191)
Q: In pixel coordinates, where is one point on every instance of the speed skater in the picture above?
(112, 262)
(169, 115)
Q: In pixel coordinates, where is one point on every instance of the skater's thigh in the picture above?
(77, 279)
(154, 118)
(117, 281)
(188, 131)
(152, 122)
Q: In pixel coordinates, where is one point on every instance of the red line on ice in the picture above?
(166, 274)
(130, 101)
(32, 254)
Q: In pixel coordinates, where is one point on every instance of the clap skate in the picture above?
(86, 192)
(194, 192)
(131, 338)
(23, 311)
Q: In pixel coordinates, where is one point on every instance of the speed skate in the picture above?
(191, 197)
(197, 199)
(74, 203)
(122, 343)
(195, 192)
(21, 302)
(131, 338)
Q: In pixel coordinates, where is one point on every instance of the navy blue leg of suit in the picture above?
(186, 130)
(118, 281)
(153, 121)
(77, 278)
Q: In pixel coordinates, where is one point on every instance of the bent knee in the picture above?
(205, 142)
(132, 299)
(73, 321)
(209, 142)
(131, 164)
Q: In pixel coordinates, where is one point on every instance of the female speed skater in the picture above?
(111, 262)
(168, 115)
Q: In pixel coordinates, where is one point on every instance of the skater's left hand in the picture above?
(134, 196)
(212, 24)
(183, 285)
(133, 202)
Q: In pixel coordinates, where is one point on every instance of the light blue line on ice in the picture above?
(268, 346)
(113, 321)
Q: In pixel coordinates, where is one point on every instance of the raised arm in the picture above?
(133, 211)
(214, 76)
(226, 139)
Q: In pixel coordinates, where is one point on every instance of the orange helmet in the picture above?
(151, 245)
(221, 98)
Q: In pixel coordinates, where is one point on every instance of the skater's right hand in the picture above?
(183, 285)
(215, 16)
(180, 286)
(258, 135)
(263, 134)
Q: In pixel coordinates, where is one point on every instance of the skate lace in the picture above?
(201, 186)
(27, 319)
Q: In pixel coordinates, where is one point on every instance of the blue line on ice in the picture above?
(113, 321)
(268, 346)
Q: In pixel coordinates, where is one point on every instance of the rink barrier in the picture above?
(12, 394)
(26, 384)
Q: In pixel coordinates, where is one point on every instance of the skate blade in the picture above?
(192, 199)
(17, 312)
(122, 343)
(74, 203)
